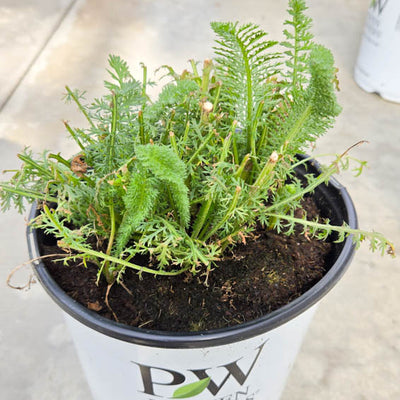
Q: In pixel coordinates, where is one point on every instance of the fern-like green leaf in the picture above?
(162, 162)
(245, 66)
(166, 166)
(179, 193)
(140, 199)
(176, 93)
(321, 91)
(313, 110)
(298, 43)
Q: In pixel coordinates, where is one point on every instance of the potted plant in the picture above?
(190, 238)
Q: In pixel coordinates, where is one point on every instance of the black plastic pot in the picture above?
(253, 359)
(338, 207)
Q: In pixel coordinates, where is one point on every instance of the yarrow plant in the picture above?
(187, 176)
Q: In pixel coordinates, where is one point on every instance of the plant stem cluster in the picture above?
(182, 178)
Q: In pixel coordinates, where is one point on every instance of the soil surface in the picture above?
(259, 277)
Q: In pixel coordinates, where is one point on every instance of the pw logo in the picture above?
(232, 369)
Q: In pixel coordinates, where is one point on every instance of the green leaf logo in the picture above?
(192, 389)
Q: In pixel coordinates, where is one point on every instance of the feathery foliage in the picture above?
(182, 178)
(299, 43)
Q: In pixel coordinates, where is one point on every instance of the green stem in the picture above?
(343, 231)
(202, 216)
(74, 136)
(168, 128)
(141, 128)
(265, 172)
(194, 68)
(185, 138)
(240, 172)
(124, 263)
(173, 143)
(207, 68)
(261, 142)
(227, 142)
(323, 177)
(225, 148)
(215, 105)
(227, 215)
(80, 106)
(60, 159)
(205, 208)
(235, 148)
(201, 147)
(28, 193)
(144, 83)
(251, 139)
(296, 127)
(108, 274)
(27, 160)
(111, 148)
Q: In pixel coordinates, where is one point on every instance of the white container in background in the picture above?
(377, 68)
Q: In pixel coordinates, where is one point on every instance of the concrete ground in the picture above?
(352, 351)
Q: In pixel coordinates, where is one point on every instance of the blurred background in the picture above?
(352, 351)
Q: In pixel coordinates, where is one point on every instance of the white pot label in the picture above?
(252, 369)
(231, 371)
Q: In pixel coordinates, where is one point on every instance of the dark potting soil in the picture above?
(260, 276)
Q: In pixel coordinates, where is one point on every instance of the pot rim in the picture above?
(214, 337)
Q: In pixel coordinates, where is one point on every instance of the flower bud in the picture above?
(273, 158)
(207, 107)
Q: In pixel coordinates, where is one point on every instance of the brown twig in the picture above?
(31, 278)
(125, 287)
(360, 142)
(108, 304)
